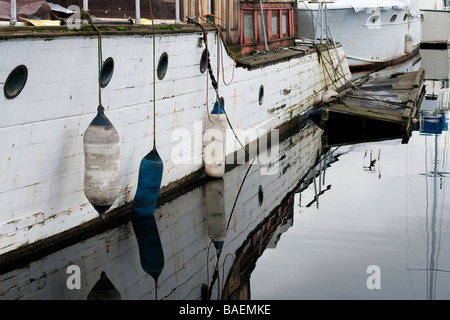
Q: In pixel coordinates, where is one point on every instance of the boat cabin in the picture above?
(244, 28)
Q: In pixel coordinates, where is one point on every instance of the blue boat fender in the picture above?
(149, 183)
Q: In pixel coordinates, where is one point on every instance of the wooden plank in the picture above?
(373, 104)
(403, 86)
(419, 77)
(368, 113)
(406, 113)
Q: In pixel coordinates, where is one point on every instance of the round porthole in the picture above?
(261, 95)
(260, 195)
(15, 82)
(163, 64)
(393, 18)
(374, 19)
(107, 72)
(405, 17)
(204, 61)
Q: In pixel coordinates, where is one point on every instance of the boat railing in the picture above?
(14, 22)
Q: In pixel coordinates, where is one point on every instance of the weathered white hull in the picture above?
(368, 36)
(435, 26)
(42, 161)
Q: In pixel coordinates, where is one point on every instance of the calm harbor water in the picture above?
(395, 217)
(378, 232)
(360, 221)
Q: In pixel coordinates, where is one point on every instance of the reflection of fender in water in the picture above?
(104, 290)
(216, 221)
(150, 249)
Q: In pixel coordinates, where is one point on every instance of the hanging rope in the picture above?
(100, 58)
(154, 75)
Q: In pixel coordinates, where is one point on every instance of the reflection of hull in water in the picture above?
(265, 235)
(183, 232)
(268, 233)
(436, 71)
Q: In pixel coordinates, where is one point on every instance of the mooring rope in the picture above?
(100, 58)
(154, 75)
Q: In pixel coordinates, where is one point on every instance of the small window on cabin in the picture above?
(405, 17)
(275, 23)
(393, 18)
(248, 26)
(260, 25)
(284, 22)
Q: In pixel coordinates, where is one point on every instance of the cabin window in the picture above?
(260, 24)
(275, 23)
(405, 17)
(393, 18)
(278, 20)
(249, 33)
(284, 23)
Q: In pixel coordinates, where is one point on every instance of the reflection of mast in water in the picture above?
(431, 265)
(318, 173)
(432, 237)
(435, 244)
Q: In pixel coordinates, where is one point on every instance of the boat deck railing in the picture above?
(14, 19)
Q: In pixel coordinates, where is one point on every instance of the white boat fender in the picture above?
(408, 43)
(102, 163)
(214, 142)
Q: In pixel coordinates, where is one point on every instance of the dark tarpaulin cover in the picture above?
(35, 9)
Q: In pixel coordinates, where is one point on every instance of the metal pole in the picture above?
(85, 5)
(326, 22)
(316, 33)
(13, 19)
(177, 11)
(321, 22)
(138, 11)
(209, 6)
(263, 25)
